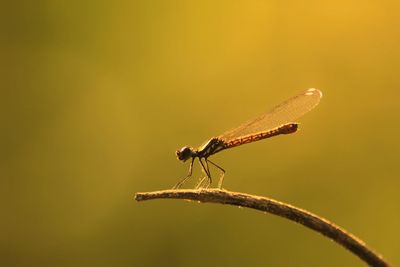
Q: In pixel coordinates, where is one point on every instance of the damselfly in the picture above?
(280, 120)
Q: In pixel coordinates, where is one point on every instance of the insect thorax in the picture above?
(213, 146)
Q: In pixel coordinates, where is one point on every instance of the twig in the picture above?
(321, 225)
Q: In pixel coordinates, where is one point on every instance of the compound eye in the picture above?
(184, 154)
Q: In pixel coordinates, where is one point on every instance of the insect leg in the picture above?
(182, 181)
(207, 172)
(201, 182)
(221, 180)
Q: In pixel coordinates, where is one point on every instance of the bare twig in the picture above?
(303, 217)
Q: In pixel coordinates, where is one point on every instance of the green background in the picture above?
(96, 96)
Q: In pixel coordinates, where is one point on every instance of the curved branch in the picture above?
(312, 221)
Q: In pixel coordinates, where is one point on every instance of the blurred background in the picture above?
(96, 96)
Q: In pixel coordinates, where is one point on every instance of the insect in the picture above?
(280, 120)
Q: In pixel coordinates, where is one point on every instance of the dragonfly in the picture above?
(280, 120)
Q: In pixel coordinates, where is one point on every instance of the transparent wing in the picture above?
(287, 112)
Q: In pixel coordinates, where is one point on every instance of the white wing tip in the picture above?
(313, 91)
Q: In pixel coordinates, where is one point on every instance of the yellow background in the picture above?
(96, 96)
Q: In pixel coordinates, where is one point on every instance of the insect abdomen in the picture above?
(284, 129)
